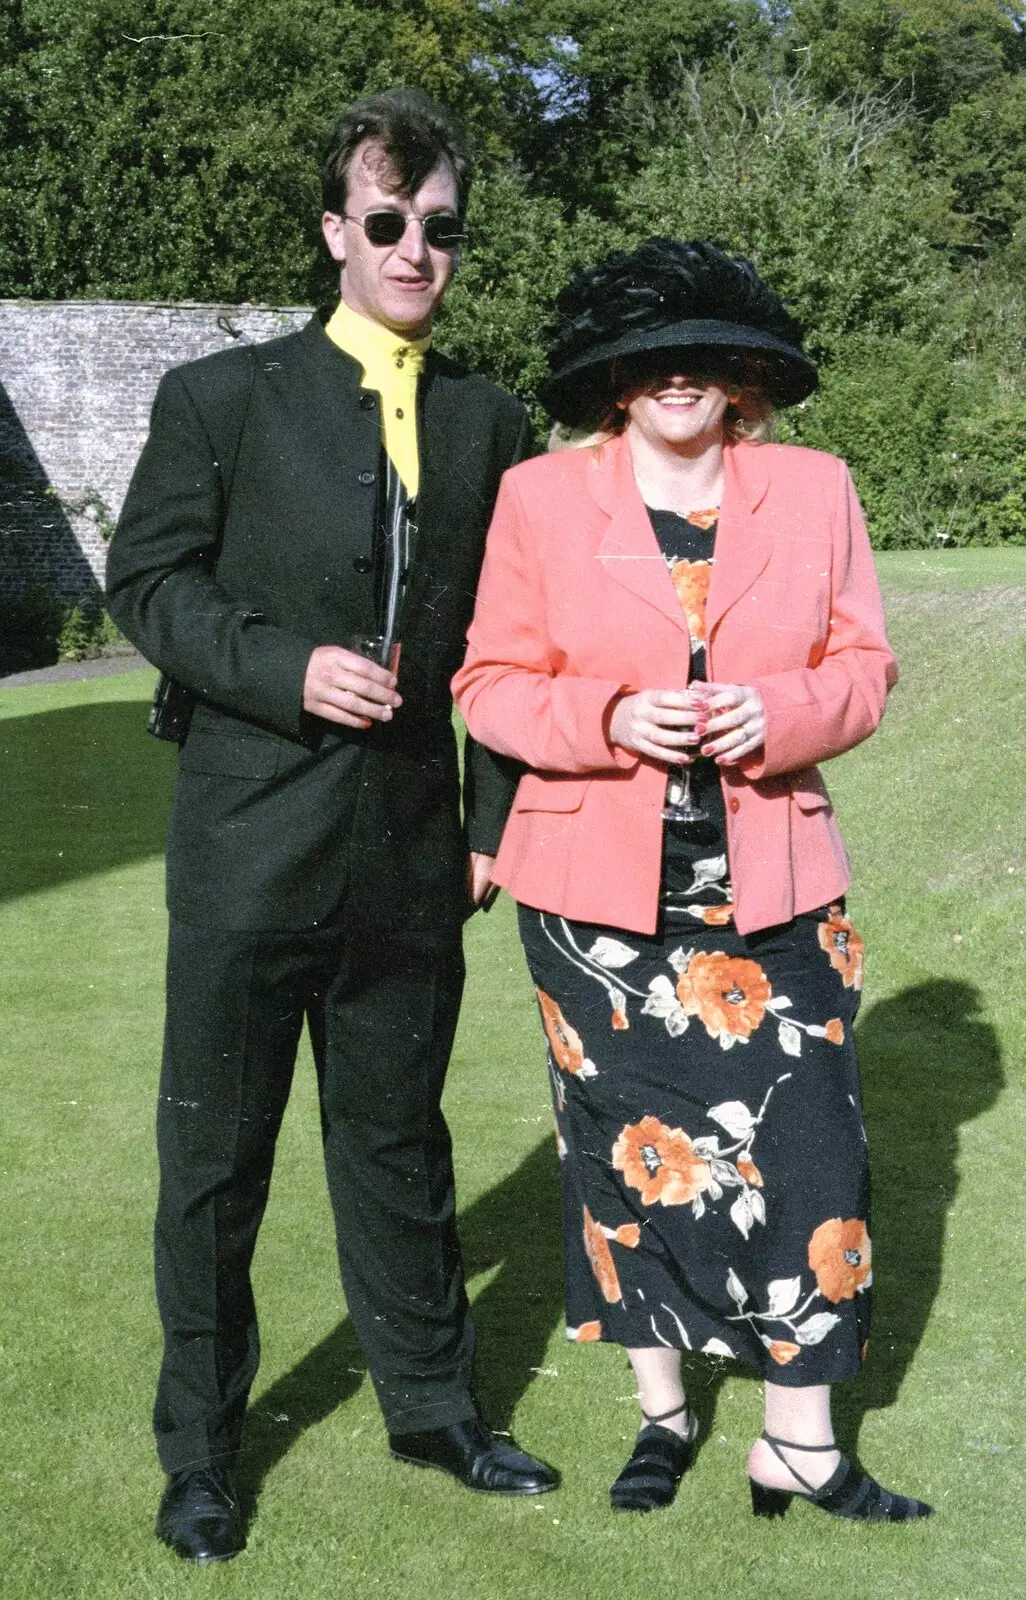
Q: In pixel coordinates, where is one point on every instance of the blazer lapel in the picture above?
(743, 545)
(629, 550)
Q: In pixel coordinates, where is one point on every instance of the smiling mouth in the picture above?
(676, 399)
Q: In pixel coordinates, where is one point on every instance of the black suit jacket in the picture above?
(246, 539)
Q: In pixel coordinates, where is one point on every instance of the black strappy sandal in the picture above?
(657, 1463)
(848, 1492)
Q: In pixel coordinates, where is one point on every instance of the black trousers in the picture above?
(382, 1011)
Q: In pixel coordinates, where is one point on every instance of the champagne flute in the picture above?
(379, 647)
(681, 805)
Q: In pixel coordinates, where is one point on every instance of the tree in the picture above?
(584, 80)
(170, 149)
(979, 152)
(819, 196)
(938, 52)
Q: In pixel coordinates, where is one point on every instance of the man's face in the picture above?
(400, 285)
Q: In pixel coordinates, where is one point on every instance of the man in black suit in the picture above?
(294, 497)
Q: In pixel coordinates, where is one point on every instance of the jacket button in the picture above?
(362, 564)
(735, 804)
(366, 478)
(367, 402)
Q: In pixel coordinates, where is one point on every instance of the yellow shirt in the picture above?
(391, 365)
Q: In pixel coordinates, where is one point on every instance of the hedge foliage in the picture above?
(869, 155)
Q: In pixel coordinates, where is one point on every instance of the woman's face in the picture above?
(675, 408)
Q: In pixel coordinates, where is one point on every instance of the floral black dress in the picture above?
(708, 1110)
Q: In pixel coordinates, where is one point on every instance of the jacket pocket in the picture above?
(542, 792)
(229, 755)
(809, 791)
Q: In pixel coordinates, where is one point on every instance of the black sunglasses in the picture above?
(442, 231)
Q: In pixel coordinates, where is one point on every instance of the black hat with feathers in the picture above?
(670, 295)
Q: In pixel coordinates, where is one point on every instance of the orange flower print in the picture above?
(587, 1333)
(702, 519)
(717, 916)
(844, 947)
(619, 1019)
(660, 1162)
(835, 1031)
(749, 1171)
(727, 993)
(841, 1256)
(567, 1048)
(783, 1351)
(596, 1247)
(691, 581)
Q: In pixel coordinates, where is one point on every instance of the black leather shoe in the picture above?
(472, 1453)
(199, 1516)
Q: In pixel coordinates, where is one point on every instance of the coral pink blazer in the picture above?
(576, 604)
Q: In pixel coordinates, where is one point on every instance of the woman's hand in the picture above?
(663, 724)
(736, 724)
(479, 876)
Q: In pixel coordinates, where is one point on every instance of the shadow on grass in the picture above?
(513, 1228)
(930, 1062)
(85, 789)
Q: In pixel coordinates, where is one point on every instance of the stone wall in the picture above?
(77, 379)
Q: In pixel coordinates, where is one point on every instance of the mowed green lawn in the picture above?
(933, 811)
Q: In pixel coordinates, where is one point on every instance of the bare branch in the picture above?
(149, 38)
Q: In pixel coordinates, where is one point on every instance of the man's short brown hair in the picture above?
(415, 133)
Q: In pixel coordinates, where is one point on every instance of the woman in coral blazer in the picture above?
(674, 625)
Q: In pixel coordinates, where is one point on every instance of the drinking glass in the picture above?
(681, 805)
(379, 647)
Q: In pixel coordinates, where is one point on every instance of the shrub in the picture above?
(75, 642)
(987, 472)
(86, 633)
(884, 406)
(37, 630)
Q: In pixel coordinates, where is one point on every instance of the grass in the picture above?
(931, 808)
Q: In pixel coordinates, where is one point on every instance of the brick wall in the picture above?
(77, 379)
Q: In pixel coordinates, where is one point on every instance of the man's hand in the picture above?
(479, 875)
(341, 686)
